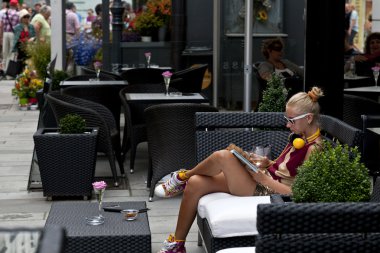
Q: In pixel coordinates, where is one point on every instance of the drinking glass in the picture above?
(97, 66)
(167, 82)
(258, 153)
(99, 189)
(376, 75)
(148, 55)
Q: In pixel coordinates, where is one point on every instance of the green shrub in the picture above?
(333, 174)
(72, 124)
(39, 53)
(58, 76)
(274, 96)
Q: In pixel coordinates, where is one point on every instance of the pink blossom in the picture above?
(376, 68)
(99, 185)
(97, 64)
(148, 54)
(167, 74)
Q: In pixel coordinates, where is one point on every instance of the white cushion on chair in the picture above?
(230, 216)
(238, 250)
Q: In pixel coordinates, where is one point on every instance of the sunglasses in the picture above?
(292, 120)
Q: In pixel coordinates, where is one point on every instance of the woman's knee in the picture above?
(196, 185)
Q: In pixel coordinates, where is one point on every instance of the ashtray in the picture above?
(175, 94)
(130, 214)
(95, 220)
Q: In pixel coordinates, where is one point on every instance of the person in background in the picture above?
(8, 21)
(97, 23)
(223, 172)
(37, 7)
(272, 50)
(72, 30)
(90, 16)
(4, 8)
(370, 58)
(41, 23)
(354, 24)
(24, 32)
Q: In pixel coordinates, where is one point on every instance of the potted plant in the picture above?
(334, 174)
(67, 157)
(146, 23)
(274, 96)
(26, 86)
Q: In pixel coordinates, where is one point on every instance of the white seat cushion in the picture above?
(238, 250)
(230, 216)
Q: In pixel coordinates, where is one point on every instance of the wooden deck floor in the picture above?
(22, 208)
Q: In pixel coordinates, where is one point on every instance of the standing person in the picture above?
(97, 23)
(24, 32)
(354, 24)
(90, 16)
(4, 8)
(72, 30)
(41, 23)
(8, 21)
(37, 7)
(222, 171)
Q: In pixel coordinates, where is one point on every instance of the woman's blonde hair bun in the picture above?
(315, 93)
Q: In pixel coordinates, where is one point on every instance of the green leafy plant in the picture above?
(146, 23)
(274, 96)
(58, 76)
(333, 174)
(72, 124)
(39, 53)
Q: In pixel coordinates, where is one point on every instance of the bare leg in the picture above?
(220, 172)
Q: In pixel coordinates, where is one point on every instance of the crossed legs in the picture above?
(220, 172)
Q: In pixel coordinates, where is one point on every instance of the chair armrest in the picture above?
(339, 217)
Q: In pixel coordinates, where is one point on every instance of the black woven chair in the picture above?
(371, 150)
(143, 75)
(319, 227)
(47, 240)
(107, 95)
(96, 115)
(216, 130)
(171, 138)
(88, 77)
(190, 79)
(134, 121)
(355, 106)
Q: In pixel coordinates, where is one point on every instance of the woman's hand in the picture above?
(259, 161)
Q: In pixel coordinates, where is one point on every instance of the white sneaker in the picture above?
(172, 187)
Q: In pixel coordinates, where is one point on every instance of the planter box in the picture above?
(66, 161)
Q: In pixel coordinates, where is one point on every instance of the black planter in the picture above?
(66, 161)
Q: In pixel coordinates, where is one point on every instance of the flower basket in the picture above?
(26, 86)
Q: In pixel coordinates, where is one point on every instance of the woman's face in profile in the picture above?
(374, 46)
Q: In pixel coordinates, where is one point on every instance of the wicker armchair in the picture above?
(96, 115)
(320, 227)
(371, 150)
(48, 240)
(190, 79)
(107, 95)
(134, 125)
(355, 106)
(216, 130)
(171, 142)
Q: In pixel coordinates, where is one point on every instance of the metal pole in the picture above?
(117, 28)
(216, 51)
(248, 55)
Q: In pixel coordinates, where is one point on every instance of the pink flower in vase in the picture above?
(148, 54)
(99, 185)
(167, 74)
(376, 68)
(97, 65)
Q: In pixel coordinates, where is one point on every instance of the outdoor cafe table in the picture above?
(64, 84)
(157, 98)
(371, 92)
(115, 235)
(357, 81)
